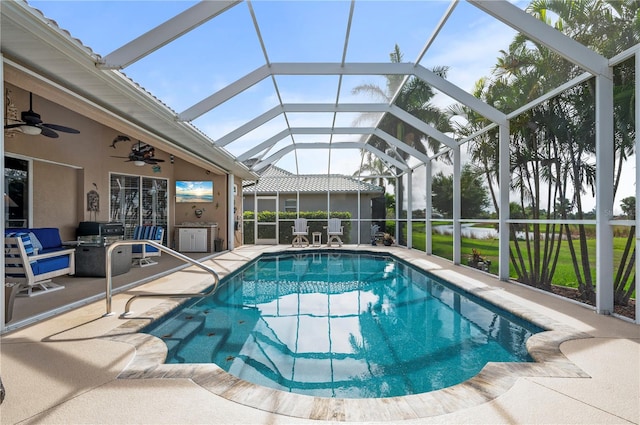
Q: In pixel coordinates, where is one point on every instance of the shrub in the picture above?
(391, 227)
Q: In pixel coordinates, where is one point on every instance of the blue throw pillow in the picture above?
(26, 241)
(35, 241)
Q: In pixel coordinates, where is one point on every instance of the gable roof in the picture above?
(277, 180)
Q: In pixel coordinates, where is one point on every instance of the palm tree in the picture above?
(608, 27)
(554, 143)
(376, 170)
(483, 151)
(415, 97)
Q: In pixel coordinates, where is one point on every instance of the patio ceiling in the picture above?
(263, 104)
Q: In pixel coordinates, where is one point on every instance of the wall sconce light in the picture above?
(171, 158)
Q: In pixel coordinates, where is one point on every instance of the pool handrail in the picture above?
(156, 244)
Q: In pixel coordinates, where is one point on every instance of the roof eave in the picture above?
(163, 123)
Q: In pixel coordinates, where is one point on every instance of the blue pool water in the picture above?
(343, 325)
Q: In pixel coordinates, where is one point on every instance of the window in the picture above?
(137, 200)
(16, 192)
(290, 205)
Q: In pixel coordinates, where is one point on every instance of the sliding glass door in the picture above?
(266, 220)
(137, 200)
(16, 192)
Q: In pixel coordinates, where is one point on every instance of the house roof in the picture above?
(275, 179)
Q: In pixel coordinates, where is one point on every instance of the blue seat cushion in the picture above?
(49, 237)
(137, 249)
(50, 264)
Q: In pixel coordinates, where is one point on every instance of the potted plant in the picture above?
(388, 240)
(477, 261)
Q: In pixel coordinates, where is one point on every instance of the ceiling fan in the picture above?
(32, 124)
(141, 154)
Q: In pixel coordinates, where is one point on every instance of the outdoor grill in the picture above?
(99, 233)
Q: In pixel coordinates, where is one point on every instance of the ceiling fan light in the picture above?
(139, 163)
(31, 130)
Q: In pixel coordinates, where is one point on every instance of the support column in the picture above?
(503, 226)
(359, 211)
(398, 208)
(637, 151)
(604, 194)
(2, 107)
(457, 243)
(409, 208)
(428, 210)
(231, 228)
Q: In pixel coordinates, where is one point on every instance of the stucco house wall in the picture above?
(65, 169)
(345, 199)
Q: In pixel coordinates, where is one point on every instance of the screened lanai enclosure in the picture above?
(499, 135)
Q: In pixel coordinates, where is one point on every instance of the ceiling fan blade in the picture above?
(157, 160)
(43, 130)
(61, 128)
(49, 133)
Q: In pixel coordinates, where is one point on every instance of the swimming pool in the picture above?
(348, 325)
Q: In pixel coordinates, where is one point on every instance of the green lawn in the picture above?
(442, 246)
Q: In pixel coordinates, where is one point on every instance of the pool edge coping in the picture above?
(494, 379)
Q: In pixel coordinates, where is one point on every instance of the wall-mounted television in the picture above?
(194, 191)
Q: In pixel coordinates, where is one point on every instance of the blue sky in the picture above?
(226, 48)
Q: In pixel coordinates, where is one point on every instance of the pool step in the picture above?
(180, 329)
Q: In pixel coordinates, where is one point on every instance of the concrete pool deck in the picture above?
(81, 367)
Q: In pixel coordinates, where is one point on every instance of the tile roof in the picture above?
(275, 179)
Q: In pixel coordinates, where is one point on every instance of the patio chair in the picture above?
(376, 235)
(141, 253)
(29, 273)
(300, 230)
(334, 231)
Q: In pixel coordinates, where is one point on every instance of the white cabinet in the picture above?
(192, 240)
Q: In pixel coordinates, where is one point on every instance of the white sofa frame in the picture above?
(17, 262)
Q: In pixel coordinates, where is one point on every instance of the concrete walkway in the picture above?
(65, 371)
